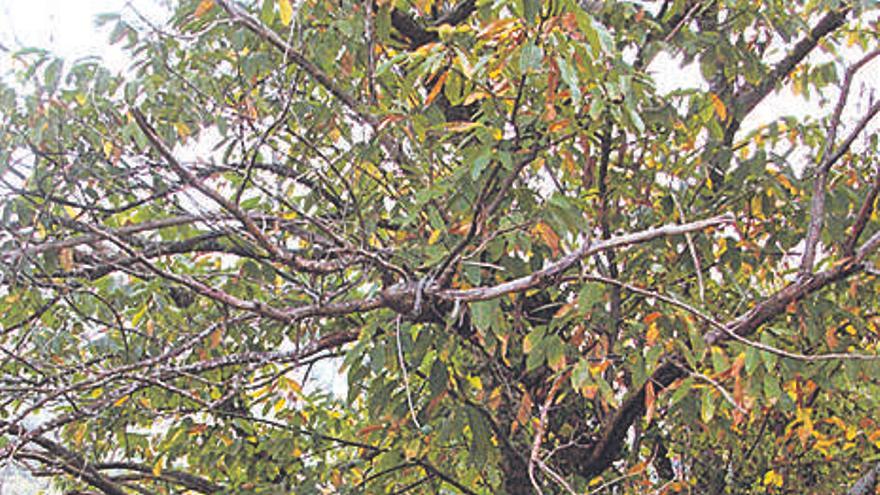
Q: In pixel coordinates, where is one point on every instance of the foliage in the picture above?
(537, 272)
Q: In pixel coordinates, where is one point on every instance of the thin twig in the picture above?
(690, 242)
(409, 400)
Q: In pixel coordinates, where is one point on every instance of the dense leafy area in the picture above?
(536, 272)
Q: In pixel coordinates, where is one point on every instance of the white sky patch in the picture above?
(67, 27)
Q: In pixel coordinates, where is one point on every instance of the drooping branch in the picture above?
(70, 462)
(271, 37)
(607, 449)
(187, 176)
(187, 480)
(163, 370)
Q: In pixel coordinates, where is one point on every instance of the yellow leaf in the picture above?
(294, 386)
(65, 257)
(145, 402)
(559, 125)
(215, 338)
(424, 6)
(823, 445)
(461, 126)
(435, 236)
(280, 404)
(438, 86)
(548, 235)
(286, 11)
(652, 334)
(472, 97)
(720, 109)
(650, 401)
(772, 478)
(836, 421)
(564, 310)
(496, 27)
(122, 400)
(203, 7)
(71, 211)
(757, 208)
(79, 434)
(783, 180)
(475, 382)
(720, 248)
(523, 412)
(182, 130)
(851, 432)
(425, 50)
(261, 392)
(108, 148)
(852, 38)
(157, 468)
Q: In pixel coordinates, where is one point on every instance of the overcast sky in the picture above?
(66, 27)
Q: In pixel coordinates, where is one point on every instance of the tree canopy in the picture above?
(535, 271)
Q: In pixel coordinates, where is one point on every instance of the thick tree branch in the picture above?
(556, 269)
(830, 155)
(746, 99)
(866, 484)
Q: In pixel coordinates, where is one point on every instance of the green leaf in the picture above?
(555, 351)
(590, 294)
(570, 78)
(707, 406)
(481, 437)
(531, 58)
(267, 12)
(485, 314)
(438, 378)
(771, 387)
(682, 391)
(52, 75)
